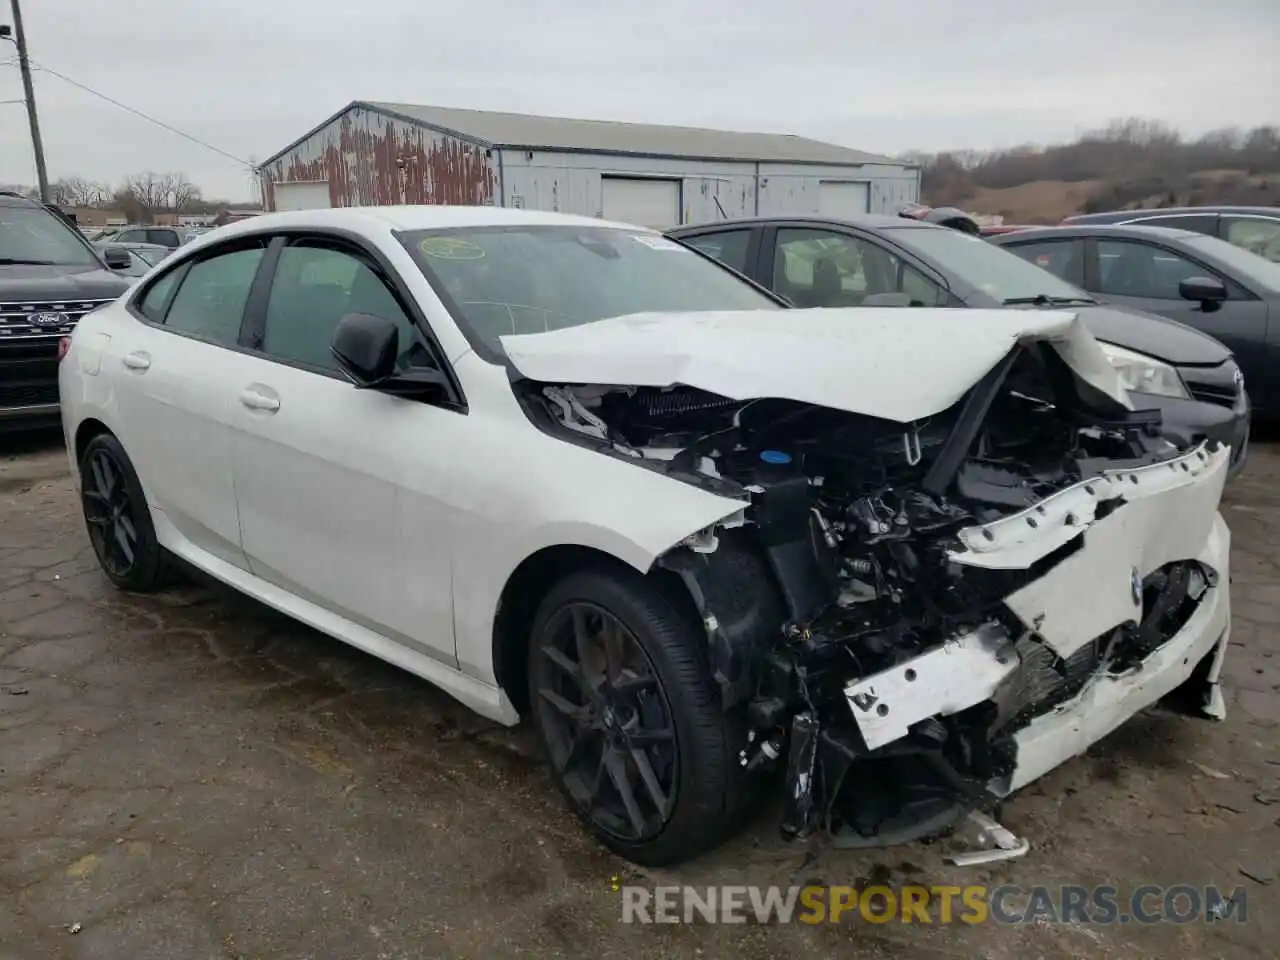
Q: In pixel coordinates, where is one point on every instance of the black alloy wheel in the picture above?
(118, 518)
(110, 514)
(607, 722)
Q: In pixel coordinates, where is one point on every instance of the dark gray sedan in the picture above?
(1202, 281)
(892, 261)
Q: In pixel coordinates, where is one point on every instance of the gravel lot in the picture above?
(193, 776)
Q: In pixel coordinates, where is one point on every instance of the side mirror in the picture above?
(1209, 292)
(366, 348)
(117, 258)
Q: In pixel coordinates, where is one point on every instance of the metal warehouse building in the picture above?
(658, 176)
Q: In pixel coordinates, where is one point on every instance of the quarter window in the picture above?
(1127, 268)
(818, 268)
(729, 247)
(315, 286)
(210, 303)
(156, 300)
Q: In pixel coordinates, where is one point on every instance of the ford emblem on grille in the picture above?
(49, 319)
(1135, 587)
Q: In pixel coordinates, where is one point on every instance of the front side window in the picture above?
(1062, 258)
(729, 247)
(132, 236)
(1129, 268)
(314, 287)
(1255, 234)
(532, 279)
(211, 300)
(33, 235)
(164, 238)
(819, 268)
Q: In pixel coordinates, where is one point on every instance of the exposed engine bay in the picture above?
(853, 571)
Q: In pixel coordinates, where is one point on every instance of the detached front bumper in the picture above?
(1074, 618)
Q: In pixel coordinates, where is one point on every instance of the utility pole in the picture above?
(28, 89)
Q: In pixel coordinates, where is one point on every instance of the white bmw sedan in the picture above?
(576, 471)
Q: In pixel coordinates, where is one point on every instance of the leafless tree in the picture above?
(79, 192)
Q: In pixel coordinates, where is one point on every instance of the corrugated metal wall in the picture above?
(369, 159)
(570, 183)
(788, 190)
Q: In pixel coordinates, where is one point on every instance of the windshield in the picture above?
(34, 235)
(996, 272)
(1248, 265)
(531, 279)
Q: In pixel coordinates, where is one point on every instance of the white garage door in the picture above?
(302, 195)
(649, 203)
(841, 199)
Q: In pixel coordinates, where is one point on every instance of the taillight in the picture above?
(64, 345)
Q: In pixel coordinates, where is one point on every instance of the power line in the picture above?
(139, 113)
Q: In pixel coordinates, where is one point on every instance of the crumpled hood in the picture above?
(888, 362)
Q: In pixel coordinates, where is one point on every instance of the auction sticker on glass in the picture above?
(658, 243)
(451, 248)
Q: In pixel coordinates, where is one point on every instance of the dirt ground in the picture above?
(193, 776)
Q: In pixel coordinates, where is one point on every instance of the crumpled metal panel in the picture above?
(371, 160)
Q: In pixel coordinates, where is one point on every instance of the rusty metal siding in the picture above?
(792, 190)
(370, 159)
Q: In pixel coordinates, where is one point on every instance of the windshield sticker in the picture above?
(451, 248)
(656, 242)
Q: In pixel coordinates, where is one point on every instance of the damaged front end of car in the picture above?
(918, 618)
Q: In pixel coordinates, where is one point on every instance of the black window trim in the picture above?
(352, 244)
(1093, 266)
(769, 245)
(232, 245)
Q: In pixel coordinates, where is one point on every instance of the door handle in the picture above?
(255, 400)
(138, 360)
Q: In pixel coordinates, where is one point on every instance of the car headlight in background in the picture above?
(1142, 374)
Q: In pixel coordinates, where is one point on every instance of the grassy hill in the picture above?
(1131, 163)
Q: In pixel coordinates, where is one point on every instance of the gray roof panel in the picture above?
(604, 136)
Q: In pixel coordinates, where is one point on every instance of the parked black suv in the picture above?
(49, 278)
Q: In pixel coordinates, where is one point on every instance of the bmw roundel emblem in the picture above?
(49, 319)
(1135, 587)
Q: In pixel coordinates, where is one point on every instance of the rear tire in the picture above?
(118, 518)
(649, 717)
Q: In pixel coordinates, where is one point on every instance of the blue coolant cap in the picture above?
(775, 456)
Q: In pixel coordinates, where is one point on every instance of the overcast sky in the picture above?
(249, 76)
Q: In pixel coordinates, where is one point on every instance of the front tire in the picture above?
(118, 519)
(630, 718)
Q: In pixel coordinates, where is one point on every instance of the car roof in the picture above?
(409, 217)
(1098, 230)
(1208, 210)
(869, 221)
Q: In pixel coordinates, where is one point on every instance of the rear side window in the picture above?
(729, 247)
(211, 300)
(1063, 258)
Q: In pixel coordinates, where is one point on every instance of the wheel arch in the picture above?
(529, 583)
(88, 428)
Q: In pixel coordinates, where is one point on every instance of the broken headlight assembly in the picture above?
(1143, 374)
